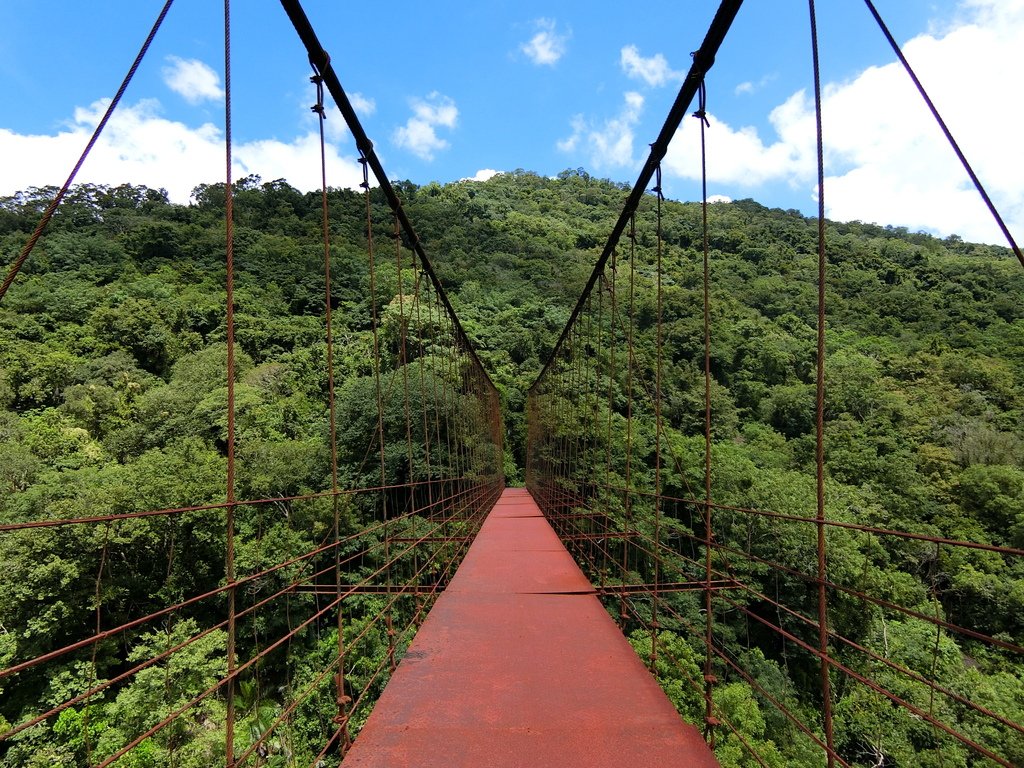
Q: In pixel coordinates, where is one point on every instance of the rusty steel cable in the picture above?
(860, 594)
(931, 684)
(375, 320)
(718, 715)
(709, 677)
(412, 623)
(703, 60)
(658, 430)
(229, 320)
(946, 132)
(321, 676)
(833, 523)
(183, 604)
(320, 58)
(630, 376)
(579, 505)
(170, 511)
(97, 598)
(457, 489)
(819, 406)
(239, 669)
(909, 673)
(403, 360)
(318, 108)
(108, 633)
(882, 603)
(874, 686)
(51, 208)
(165, 612)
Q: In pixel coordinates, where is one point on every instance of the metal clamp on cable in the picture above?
(325, 61)
(366, 172)
(702, 62)
(319, 106)
(702, 102)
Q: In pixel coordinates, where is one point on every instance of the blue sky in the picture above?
(454, 90)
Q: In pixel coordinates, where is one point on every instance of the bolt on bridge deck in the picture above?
(518, 664)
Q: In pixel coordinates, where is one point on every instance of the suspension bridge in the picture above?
(512, 627)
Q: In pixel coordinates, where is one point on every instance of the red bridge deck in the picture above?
(518, 664)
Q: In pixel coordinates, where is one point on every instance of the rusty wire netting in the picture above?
(799, 579)
(672, 561)
(227, 620)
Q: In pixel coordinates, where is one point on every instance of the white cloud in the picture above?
(579, 128)
(610, 144)
(139, 146)
(482, 175)
(419, 134)
(739, 157)
(719, 199)
(654, 71)
(335, 127)
(548, 45)
(192, 79)
(749, 86)
(886, 159)
(363, 106)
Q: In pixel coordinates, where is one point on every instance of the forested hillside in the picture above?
(112, 345)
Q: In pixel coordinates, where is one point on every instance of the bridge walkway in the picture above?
(518, 664)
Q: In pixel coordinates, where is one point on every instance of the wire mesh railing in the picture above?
(198, 605)
(839, 627)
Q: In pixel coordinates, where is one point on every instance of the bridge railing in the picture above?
(202, 602)
(720, 592)
(161, 602)
(792, 623)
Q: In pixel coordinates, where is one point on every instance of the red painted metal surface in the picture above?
(518, 664)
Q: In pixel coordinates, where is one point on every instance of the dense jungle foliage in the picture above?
(112, 345)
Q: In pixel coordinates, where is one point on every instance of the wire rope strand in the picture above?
(709, 677)
(98, 597)
(229, 508)
(375, 321)
(595, 493)
(947, 133)
(630, 365)
(819, 409)
(658, 426)
(30, 244)
(341, 702)
(403, 361)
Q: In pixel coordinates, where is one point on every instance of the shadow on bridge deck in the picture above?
(518, 664)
